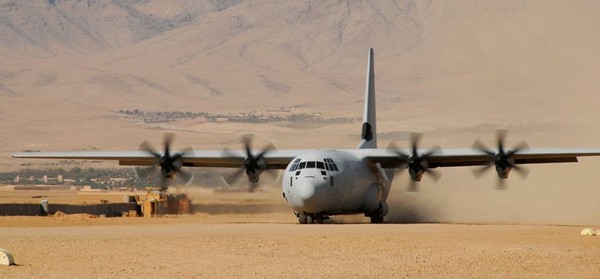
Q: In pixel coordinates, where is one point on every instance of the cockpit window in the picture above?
(295, 165)
(328, 164)
(331, 164)
(320, 165)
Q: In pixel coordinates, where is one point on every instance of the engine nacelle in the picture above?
(503, 164)
(503, 171)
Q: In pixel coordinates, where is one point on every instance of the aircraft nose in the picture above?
(310, 197)
(306, 191)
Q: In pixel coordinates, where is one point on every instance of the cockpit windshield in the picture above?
(326, 164)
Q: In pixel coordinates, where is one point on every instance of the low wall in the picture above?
(15, 209)
(109, 210)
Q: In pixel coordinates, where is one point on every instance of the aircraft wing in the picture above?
(279, 159)
(275, 159)
(472, 157)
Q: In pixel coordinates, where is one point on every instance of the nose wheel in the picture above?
(308, 218)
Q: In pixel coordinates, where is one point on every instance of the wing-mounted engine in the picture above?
(253, 165)
(503, 160)
(417, 163)
(169, 163)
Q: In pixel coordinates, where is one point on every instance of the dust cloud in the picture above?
(566, 194)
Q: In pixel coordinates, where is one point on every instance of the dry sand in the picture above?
(267, 243)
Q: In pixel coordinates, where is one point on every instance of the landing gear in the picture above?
(377, 216)
(318, 218)
(302, 218)
(307, 218)
(376, 219)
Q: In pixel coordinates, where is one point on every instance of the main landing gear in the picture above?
(376, 219)
(308, 218)
(377, 216)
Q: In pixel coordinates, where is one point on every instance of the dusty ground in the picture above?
(221, 242)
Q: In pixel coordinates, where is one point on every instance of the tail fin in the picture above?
(369, 126)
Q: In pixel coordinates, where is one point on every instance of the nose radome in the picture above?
(311, 196)
(306, 191)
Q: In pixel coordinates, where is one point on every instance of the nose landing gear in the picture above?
(309, 218)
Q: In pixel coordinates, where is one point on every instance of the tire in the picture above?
(319, 218)
(309, 218)
(377, 219)
(302, 218)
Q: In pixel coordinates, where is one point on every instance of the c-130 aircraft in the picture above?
(319, 183)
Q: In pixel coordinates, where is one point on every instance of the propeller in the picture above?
(418, 163)
(170, 164)
(503, 159)
(253, 165)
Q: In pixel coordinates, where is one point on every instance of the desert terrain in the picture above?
(454, 71)
(253, 235)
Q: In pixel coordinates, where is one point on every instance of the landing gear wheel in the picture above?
(376, 219)
(319, 218)
(309, 218)
(302, 218)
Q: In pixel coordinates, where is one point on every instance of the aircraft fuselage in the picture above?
(330, 182)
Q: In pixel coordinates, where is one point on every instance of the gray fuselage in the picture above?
(332, 182)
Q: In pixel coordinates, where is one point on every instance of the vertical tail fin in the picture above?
(369, 126)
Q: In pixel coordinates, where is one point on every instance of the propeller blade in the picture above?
(145, 146)
(479, 171)
(233, 155)
(481, 147)
(500, 136)
(520, 147)
(234, 177)
(401, 155)
(523, 172)
(431, 152)
(412, 187)
(184, 177)
(273, 174)
(501, 184)
(247, 142)
(434, 174)
(266, 150)
(415, 138)
(252, 187)
(168, 139)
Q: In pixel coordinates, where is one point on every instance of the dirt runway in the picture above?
(273, 246)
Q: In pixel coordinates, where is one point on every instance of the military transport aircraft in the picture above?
(319, 183)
